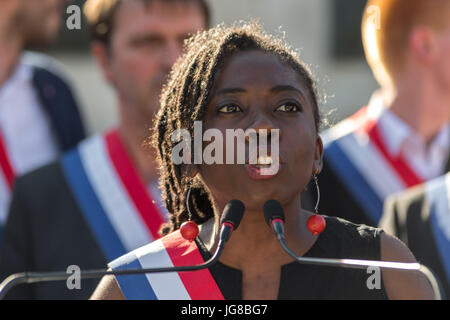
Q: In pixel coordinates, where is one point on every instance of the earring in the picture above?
(316, 223)
(189, 229)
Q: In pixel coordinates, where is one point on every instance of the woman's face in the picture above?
(255, 90)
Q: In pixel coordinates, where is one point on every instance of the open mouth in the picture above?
(266, 167)
(265, 161)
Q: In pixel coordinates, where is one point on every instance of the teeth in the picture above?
(265, 160)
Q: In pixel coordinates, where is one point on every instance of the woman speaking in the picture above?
(233, 78)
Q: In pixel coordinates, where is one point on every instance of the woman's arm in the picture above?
(402, 285)
(107, 289)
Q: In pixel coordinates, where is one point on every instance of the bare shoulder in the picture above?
(402, 285)
(108, 289)
(393, 249)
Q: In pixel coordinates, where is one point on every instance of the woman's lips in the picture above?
(260, 172)
(266, 167)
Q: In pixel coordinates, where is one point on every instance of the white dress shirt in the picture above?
(25, 127)
(400, 139)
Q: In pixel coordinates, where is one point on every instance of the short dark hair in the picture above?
(100, 15)
(185, 98)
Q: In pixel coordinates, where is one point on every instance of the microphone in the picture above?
(231, 218)
(274, 216)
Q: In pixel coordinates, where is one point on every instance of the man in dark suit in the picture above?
(420, 217)
(39, 117)
(101, 199)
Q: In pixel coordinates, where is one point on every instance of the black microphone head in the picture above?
(273, 210)
(233, 213)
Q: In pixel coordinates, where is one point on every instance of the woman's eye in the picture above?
(289, 107)
(231, 108)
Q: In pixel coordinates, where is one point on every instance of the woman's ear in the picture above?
(318, 156)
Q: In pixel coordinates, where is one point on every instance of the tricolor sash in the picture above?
(358, 156)
(437, 193)
(7, 176)
(113, 198)
(170, 251)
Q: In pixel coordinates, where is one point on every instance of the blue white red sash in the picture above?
(358, 156)
(169, 251)
(7, 177)
(113, 198)
(438, 198)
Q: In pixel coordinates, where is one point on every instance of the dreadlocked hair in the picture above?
(185, 98)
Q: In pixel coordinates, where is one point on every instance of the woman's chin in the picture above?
(253, 188)
(255, 199)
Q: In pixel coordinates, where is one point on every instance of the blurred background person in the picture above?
(101, 199)
(402, 137)
(39, 116)
(420, 217)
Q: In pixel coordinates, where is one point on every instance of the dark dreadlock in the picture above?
(185, 99)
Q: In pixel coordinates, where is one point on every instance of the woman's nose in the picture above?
(262, 126)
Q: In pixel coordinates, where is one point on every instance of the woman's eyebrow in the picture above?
(275, 89)
(230, 90)
(286, 88)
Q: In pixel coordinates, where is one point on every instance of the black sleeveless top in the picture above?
(340, 239)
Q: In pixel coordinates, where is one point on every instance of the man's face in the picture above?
(145, 43)
(40, 21)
